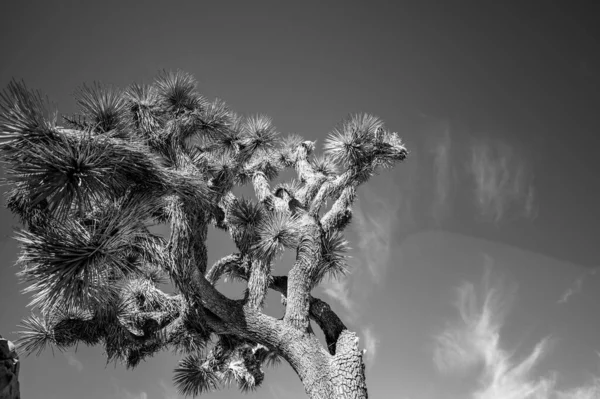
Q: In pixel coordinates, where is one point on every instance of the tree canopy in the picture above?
(88, 188)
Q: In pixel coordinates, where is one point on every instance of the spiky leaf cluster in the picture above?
(275, 232)
(362, 143)
(333, 257)
(75, 262)
(103, 107)
(229, 361)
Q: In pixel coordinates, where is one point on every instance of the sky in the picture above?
(474, 269)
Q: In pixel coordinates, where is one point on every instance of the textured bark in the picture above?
(341, 376)
(301, 275)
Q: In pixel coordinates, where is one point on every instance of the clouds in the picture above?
(473, 344)
(371, 344)
(575, 288)
(375, 218)
(491, 173)
(340, 291)
(502, 180)
(73, 361)
(591, 391)
(443, 171)
(475, 341)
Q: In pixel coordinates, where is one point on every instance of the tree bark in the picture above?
(341, 376)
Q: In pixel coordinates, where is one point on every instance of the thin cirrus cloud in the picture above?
(591, 391)
(371, 344)
(495, 172)
(503, 180)
(575, 288)
(444, 172)
(73, 361)
(475, 341)
(473, 344)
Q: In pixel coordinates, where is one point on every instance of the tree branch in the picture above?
(301, 275)
(319, 310)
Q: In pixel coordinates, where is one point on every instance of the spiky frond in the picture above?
(142, 101)
(63, 172)
(258, 135)
(103, 105)
(58, 328)
(193, 377)
(35, 336)
(24, 117)
(152, 271)
(19, 203)
(288, 146)
(141, 95)
(140, 352)
(362, 143)
(244, 217)
(73, 262)
(78, 121)
(76, 325)
(389, 149)
(292, 188)
(183, 337)
(74, 171)
(177, 91)
(216, 121)
(325, 165)
(219, 165)
(276, 231)
(333, 257)
(244, 368)
(267, 164)
(142, 295)
(266, 356)
(351, 141)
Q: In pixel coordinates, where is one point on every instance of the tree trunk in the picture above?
(341, 376)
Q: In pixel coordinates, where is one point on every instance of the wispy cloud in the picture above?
(444, 172)
(371, 344)
(502, 180)
(475, 340)
(73, 361)
(374, 217)
(339, 290)
(591, 391)
(576, 287)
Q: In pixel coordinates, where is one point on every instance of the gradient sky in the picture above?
(474, 269)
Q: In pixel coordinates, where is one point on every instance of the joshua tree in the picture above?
(88, 191)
